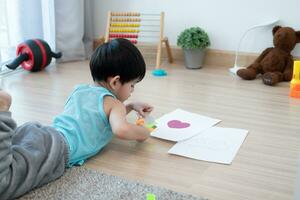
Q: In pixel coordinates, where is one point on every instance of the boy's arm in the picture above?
(123, 129)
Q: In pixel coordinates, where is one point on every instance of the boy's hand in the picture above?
(143, 109)
(120, 126)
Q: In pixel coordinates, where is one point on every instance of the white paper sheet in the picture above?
(180, 125)
(216, 144)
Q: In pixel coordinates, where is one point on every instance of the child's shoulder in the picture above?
(86, 91)
(92, 88)
(80, 87)
(110, 102)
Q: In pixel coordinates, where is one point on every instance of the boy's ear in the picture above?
(114, 82)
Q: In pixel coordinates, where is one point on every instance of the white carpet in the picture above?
(82, 183)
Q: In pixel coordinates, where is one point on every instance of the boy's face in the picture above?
(124, 91)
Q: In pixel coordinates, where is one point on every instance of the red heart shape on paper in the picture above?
(178, 124)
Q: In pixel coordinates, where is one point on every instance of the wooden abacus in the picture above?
(133, 26)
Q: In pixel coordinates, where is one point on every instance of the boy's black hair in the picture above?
(117, 57)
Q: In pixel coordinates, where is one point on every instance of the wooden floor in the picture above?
(265, 167)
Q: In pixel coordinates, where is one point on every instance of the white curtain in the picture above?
(74, 28)
(27, 20)
(66, 25)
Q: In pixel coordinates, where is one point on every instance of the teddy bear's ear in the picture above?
(298, 36)
(276, 28)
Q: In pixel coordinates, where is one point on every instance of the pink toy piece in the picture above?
(178, 124)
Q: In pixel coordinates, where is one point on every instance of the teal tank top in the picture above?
(84, 123)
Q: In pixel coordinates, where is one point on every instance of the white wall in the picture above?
(224, 21)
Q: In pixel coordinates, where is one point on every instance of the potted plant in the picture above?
(193, 41)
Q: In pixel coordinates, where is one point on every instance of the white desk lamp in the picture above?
(235, 68)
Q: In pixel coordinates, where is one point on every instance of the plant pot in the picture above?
(193, 58)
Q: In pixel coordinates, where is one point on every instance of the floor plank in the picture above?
(265, 167)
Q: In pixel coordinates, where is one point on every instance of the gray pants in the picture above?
(30, 156)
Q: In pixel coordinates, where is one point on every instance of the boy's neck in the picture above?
(104, 85)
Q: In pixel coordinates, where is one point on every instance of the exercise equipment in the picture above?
(139, 27)
(33, 55)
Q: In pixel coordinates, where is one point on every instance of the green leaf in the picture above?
(193, 38)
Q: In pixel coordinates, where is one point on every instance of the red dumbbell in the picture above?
(33, 55)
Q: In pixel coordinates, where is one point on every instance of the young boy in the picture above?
(33, 155)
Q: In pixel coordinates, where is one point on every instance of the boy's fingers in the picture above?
(148, 109)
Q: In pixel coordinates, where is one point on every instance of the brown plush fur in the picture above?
(274, 63)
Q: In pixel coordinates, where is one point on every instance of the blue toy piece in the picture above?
(159, 72)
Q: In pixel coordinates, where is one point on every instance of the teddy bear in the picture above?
(274, 63)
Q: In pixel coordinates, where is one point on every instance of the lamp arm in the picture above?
(244, 34)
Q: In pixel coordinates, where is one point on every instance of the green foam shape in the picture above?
(150, 196)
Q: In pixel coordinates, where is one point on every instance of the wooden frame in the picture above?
(162, 38)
